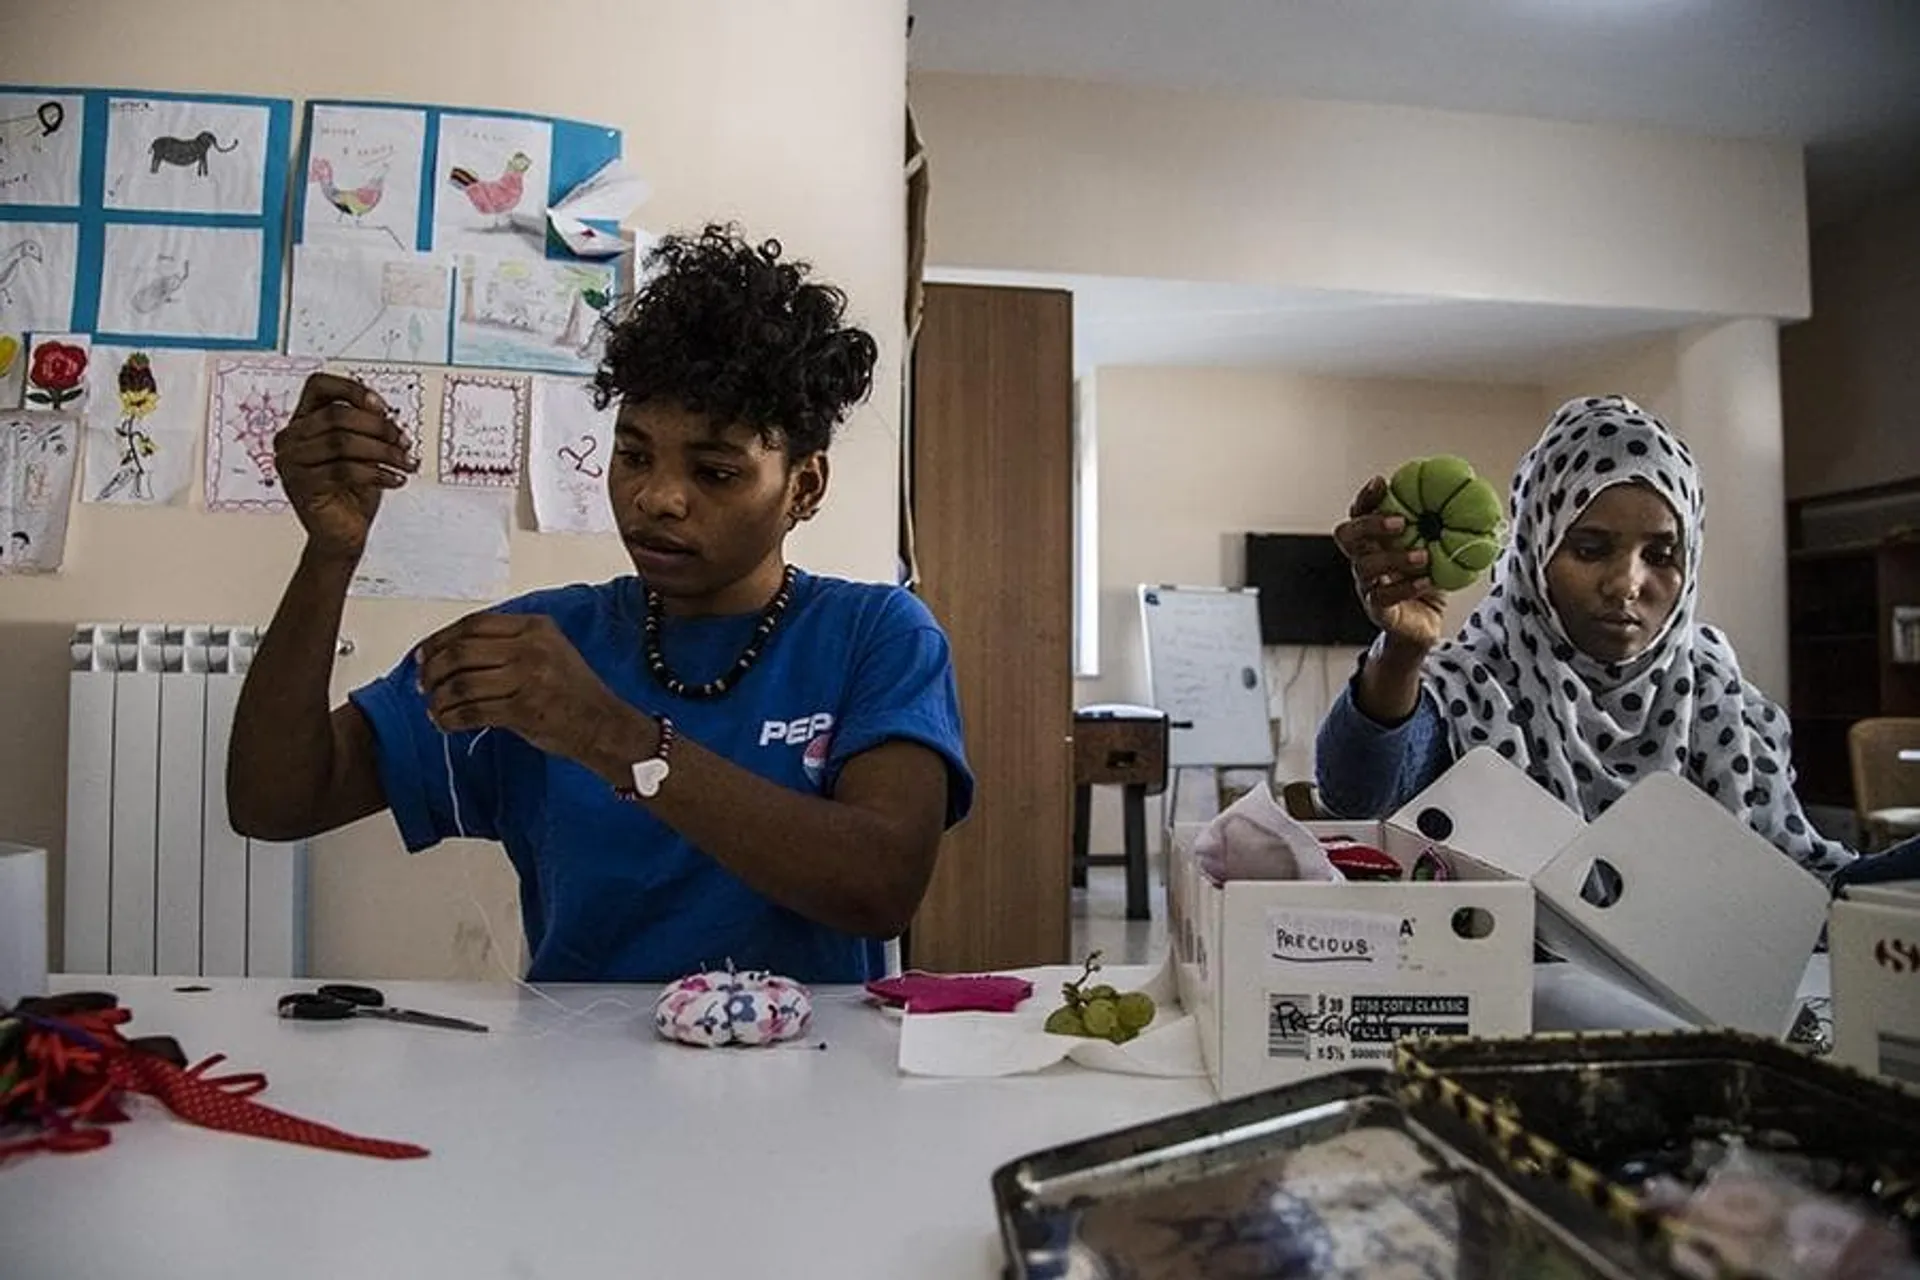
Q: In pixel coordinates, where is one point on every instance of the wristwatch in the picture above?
(649, 774)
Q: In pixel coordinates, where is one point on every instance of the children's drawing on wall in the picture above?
(166, 277)
(568, 443)
(363, 178)
(37, 454)
(13, 369)
(40, 149)
(38, 265)
(24, 254)
(363, 306)
(490, 173)
(144, 411)
(513, 313)
(181, 282)
(482, 425)
(405, 392)
(185, 156)
(57, 371)
(253, 397)
(432, 542)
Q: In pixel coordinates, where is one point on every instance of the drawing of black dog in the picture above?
(187, 151)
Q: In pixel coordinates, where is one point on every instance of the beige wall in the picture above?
(1849, 375)
(1047, 175)
(1193, 459)
(786, 116)
(1719, 386)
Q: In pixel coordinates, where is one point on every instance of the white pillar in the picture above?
(1729, 411)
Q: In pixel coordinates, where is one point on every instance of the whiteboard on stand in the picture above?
(1204, 669)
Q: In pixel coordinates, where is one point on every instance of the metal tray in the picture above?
(1629, 1104)
(1209, 1193)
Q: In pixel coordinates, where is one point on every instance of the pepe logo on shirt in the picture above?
(814, 734)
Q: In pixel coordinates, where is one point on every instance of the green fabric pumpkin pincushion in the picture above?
(1451, 512)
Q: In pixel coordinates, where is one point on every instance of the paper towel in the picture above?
(1003, 1044)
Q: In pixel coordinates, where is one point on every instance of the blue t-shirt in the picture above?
(608, 892)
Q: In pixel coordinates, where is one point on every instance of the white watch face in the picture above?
(648, 775)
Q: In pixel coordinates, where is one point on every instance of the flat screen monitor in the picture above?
(1306, 591)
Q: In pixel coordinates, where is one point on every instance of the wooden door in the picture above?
(992, 495)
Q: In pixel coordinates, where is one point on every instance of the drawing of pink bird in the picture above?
(356, 203)
(499, 197)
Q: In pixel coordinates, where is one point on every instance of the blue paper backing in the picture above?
(92, 217)
(580, 150)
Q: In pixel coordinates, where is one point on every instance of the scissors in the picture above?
(337, 1001)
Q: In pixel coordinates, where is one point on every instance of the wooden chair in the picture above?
(1124, 747)
(1886, 786)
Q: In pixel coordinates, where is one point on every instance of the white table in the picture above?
(564, 1146)
(560, 1148)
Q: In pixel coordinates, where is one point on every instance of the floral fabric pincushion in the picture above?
(1452, 513)
(723, 1008)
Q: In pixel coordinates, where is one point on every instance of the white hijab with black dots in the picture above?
(1587, 730)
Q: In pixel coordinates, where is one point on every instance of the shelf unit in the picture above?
(1842, 667)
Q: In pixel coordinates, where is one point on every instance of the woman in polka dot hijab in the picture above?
(1588, 725)
(1584, 665)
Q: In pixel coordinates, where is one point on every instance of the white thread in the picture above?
(486, 919)
(570, 1016)
(453, 790)
(493, 951)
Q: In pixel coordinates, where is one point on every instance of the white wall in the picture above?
(1719, 387)
(786, 116)
(1047, 175)
(1848, 376)
(1193, 459)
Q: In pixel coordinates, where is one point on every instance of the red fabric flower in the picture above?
(57, 366)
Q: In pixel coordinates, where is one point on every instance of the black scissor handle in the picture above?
(315, 1006)
(364, 997)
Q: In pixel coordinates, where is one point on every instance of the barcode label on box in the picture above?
(1384, 1019)
(1364, 1027)
(1287, 1022)
(1900, 1058)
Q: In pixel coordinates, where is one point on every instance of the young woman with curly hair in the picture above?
(721, 758)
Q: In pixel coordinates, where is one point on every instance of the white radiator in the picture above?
(157, 879)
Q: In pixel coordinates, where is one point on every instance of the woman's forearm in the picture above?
(846, 865)
(1389, 685)
(280, 766)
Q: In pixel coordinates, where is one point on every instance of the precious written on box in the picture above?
(1292, 979)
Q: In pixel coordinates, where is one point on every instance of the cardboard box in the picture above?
(1666, 894)
(1292, 979)
(1874, 946)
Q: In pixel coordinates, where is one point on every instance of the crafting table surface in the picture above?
(568, 1143)
(561, 1147)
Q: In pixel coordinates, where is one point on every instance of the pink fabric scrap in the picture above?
(961, 993)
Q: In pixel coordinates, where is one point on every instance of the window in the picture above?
(1086, 535)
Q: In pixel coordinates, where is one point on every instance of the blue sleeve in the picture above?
(437, 785)
(903, 689)
(1368, 770)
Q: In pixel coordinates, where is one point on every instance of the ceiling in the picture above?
(1840, 76)
(1179, 323)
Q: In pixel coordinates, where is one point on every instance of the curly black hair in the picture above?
(729, 329)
